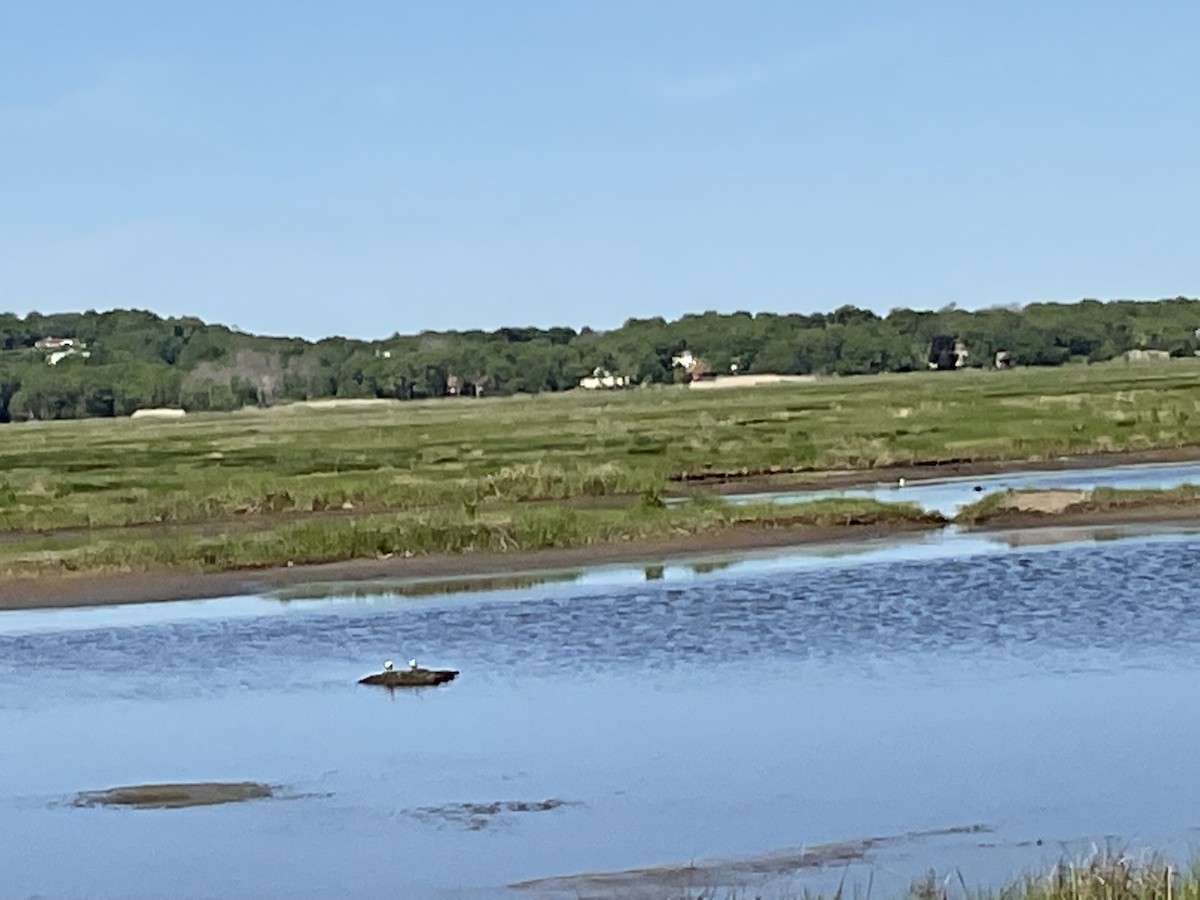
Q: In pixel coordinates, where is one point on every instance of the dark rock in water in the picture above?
(477, 816)
(394, 678)
(175, 796)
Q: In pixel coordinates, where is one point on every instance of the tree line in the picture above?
(136, 359)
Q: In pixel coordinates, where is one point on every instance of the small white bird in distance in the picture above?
(387, 665)
(412, 664)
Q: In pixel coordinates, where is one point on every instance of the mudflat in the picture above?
(670, 878)
(175, 795)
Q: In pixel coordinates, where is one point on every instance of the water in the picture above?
(727, 708)
(948, 495)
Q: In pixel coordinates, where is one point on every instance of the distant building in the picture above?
(947, 352)
(602, 379)
(460, 386)
(58, 349)
(56, 344)
(1146, 355)
(693, 366)
(158, 413)
(685, 360)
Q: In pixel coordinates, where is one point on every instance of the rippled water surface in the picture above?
(1047, 692)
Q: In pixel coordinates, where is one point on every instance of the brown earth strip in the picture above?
(1166, 514)
(720, 872)
(109, 588)
(175, 795)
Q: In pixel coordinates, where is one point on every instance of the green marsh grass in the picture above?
(432, 531)
(1106, 874)
(574, 445)
(472, 460)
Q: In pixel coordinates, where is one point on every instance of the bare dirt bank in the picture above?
(110, 588)
(179, 795)
(671, 879)
(1164, 514)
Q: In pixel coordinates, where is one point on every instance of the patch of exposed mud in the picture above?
(1051, 502)
(176, 795)
(667, 879)
(477, 816)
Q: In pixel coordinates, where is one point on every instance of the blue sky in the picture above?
(361, 168)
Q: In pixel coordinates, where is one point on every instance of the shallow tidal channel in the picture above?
(948, 495)
(985, 703)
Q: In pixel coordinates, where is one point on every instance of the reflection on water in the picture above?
(1043, 537)
(723, 708)
(1105, 598)
(950, 541)
(426, 586)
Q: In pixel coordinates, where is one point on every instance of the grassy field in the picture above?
(534, 471)
(385, 535)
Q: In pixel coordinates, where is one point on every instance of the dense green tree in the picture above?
(123, 360)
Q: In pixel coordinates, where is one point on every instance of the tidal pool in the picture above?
(905, 691)
(949, 495)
